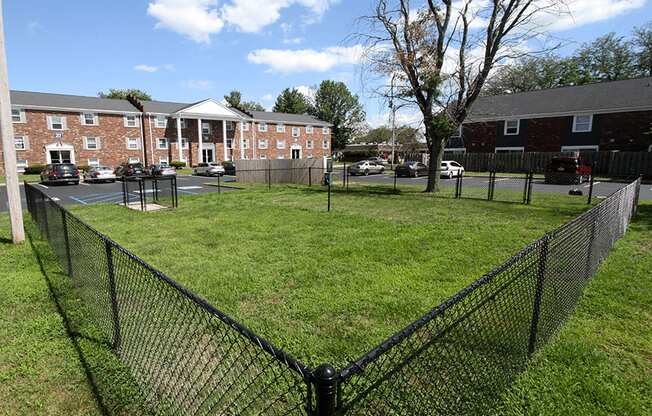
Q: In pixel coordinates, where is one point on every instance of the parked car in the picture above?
(567, 170)
(99, 174)
(365, 167)
(451, 169)
(60, 173)
(379, 161)
(130, 170)
(411, 169)
(229, 168)
(162, 170)
(208, 169)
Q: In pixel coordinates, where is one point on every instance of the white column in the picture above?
(242, 149)
(200, 156)
(254, 145)
(226, 152)
(179, 146)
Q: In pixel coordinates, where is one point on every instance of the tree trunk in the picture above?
(435, 155)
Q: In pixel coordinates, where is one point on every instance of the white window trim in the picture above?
(64, 124)
(309, 129)
(133, 159)
(98, 145)
(298, 130)
(325, 144)
(590, 123)
(208, 128)
(185, 143)
(21, 166)
(324, 130)
(91, 163)
(245, 143)
(262, 127)
(163, 160)
(230, 125)
(518, 128)
(280, 144)
(126, 120)
(183, 123)
(581, 147)
(158, 143)
(25, 143)
(263, 156)
(229, 140)
(510, 148)
(280, 128)
(21, 114)
(263, 144)
(137, 143)
(159, 125)
(82, 118)
(309, 144)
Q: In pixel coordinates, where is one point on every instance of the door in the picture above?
(60, 156)
(296, 153)
(208, 155)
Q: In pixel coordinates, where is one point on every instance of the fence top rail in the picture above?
(361, 363)
(261, 342)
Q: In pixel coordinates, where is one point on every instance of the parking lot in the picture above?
(95, 193)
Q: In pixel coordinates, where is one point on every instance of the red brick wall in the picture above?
(480, 137)
(110, 129)
(626, 131)
(274, 152)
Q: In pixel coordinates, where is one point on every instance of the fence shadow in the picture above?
(109, 382)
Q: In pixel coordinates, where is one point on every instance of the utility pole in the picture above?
(8, 145)
(393, 116)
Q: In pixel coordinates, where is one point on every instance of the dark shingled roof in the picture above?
(632, 94)
(43, 99)
(164, 107)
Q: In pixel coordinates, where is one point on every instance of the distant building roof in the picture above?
(604, 97)
(72, 102)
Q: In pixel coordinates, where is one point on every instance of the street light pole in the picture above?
(393, 116)
(8, 146)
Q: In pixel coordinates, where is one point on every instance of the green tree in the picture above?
(643, 43)
(405, 136)
(607, 58)
(337, 105)
(292, 101)
(122, 94)
(234, 99)
(534, 73)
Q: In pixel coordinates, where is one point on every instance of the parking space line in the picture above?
(102, 196)
(187, 192)
(42, 186)
(594, 183)
(78, 200)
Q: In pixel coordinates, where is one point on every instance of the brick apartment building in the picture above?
(51, 128)
(608, 116)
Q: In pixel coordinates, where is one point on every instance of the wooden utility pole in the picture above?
(8, 145)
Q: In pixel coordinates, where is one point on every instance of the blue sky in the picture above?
(186, 50)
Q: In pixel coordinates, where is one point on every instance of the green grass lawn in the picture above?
(601, 364)
(22, 178)
(326, 286)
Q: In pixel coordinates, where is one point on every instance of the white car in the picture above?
(99, 174)
(209, 169)
(451, 169)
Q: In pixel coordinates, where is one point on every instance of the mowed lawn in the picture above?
(327, 286)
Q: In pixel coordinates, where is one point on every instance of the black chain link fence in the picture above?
(191, 359)
(139, 192)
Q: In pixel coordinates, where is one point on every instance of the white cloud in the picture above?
(307, 91)
(302, 60)
(292, 41)
(253, 15)
(196, 19)
(267, 97)
(197, 84)
(583, 12)
(145, 68)
(33, 27)
(405, 117)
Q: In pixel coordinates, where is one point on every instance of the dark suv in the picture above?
(130, 170)
(567, 170)
(60, 173)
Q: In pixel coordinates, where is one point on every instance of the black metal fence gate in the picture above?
(190, 358)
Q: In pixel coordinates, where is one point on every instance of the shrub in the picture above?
(83, 168)
(177, 164)
(34, 169)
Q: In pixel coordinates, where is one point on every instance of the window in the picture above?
(229, 143)
(93, 161)
(245, 143)
(280, 157)
(17, 115)
(280, 128)
(230, 125)
(183, 123)
(162, 143)
(132, 143)
(309, 156)
(163, 160)
(263, 156)
(184, 143)
(21, 142)
(512, 127)
(205, 128)
(262, 127)
(309, 144)
(515, 149)
(309, 129)
(245, 126)
(161, 122)
(295, 131)
(134, 159)
(56, 123)
(324, 130)
(263, 144)
(89, 119)
(91, 143)
(131, 121)
(325, 144)
(280, 144)
(582, 124)
(21, 164)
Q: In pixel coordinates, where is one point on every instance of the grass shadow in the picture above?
(109, 382)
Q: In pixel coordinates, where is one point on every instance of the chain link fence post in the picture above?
(113, 295)
(591, 185)
(529, 188)
(309, 175)
(64, 222)
(541, 273)
(325, 390)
